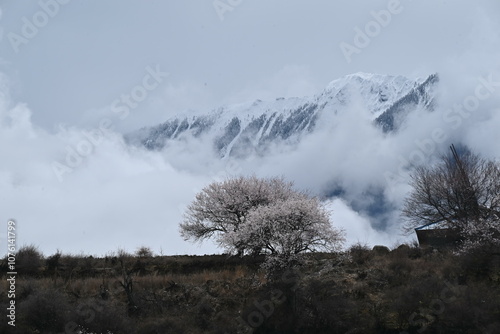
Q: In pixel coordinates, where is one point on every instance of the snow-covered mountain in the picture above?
(241, 129)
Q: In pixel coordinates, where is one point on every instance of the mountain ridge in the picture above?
(242, 129)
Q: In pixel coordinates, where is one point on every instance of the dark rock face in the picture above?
(422, 95)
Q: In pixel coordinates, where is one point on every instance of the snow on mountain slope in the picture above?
(379, 91)
(241, 129)
(423, 95)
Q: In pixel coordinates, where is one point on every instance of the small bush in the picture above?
(360, 254)
(410, 303)
(29, 260)
(45, 311)
(53, 262)
(471, 309)
(144, 251)
(381, 250)
(477, 264)
(400, 270)
(27, 287)
(100, 316)
(324, 307)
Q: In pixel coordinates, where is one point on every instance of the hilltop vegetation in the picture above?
(406, 289)
(284, 272)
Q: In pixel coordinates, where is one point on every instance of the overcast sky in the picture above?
(91, 52)
(65, 64)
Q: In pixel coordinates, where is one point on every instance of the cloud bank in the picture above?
(113, 195)
(118, 196)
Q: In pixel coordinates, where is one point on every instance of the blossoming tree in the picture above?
(251, 215)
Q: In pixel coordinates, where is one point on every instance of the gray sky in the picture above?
(91, 52)
(65, 64)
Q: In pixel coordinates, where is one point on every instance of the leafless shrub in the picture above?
(45, 311)
(101, 316)
(360, 253)
(144, 251)
(53, 262)
(29, 260)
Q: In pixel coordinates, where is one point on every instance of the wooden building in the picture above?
(432, 236)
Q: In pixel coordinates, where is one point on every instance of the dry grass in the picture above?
(162, 281)
(210, 294)
(91, 287)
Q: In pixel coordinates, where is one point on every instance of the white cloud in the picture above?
(124, 197)
(288, 81)
(117, 197)
(358, 228)
(120, 196)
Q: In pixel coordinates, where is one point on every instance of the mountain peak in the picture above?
(241, 129)
(368, 78)
(379, 91)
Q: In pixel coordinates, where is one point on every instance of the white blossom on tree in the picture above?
(221, 207)
(285, 229)
(252, 215)
(483, 234)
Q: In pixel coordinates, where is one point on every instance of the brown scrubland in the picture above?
(362, 290)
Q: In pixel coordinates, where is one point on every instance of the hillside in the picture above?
(406, 289)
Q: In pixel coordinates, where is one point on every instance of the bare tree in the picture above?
(461, 191)
(222, 207)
